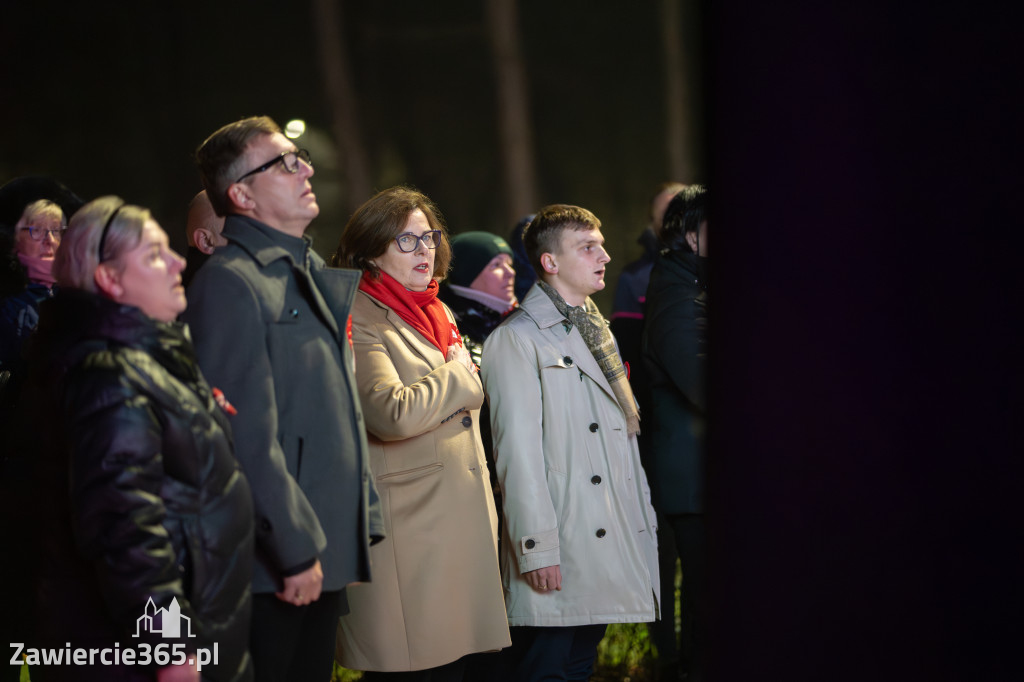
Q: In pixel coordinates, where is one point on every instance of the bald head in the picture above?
(660, 201)
(203, 225)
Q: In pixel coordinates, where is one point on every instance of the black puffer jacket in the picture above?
(144, 496)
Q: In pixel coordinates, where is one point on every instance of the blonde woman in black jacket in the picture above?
(149, 509)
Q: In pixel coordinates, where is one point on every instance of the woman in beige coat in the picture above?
(436, 594)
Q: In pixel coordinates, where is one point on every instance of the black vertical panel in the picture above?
(866, 388)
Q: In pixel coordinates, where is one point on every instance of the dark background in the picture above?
(867, 458)
(114, 97)
(867, 393)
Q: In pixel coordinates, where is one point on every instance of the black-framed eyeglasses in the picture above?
(290, 161)
(408, 242)
(38, 233)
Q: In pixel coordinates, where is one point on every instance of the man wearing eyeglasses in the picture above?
(270, 322)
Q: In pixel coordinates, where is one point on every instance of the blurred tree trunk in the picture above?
(514, 129)
(679, 124)
(341, 99)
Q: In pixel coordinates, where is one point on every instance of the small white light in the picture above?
(294, 128)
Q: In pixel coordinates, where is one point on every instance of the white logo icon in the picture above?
(169, 620)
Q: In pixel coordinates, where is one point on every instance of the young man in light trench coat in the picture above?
(579, 548)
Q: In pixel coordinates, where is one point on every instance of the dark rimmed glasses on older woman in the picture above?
(39, 233)
(407, 241)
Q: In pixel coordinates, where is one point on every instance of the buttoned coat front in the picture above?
(436, 592)
(269, 332)
(574, 492)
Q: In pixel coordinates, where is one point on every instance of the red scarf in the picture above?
(421, 309)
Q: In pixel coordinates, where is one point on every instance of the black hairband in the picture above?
(106, 228)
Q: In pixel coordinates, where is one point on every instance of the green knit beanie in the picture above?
(471, 252)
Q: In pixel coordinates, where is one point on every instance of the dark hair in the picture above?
(687, 210)
(219, 155)
(544, 233)
(377, 222)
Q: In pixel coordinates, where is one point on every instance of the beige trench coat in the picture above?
(574, 493)
(436, 592)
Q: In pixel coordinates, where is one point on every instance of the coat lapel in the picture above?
(550, 321)
(333, 292)
(426, 350)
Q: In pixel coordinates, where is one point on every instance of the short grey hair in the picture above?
(38, 208)
(77, 258)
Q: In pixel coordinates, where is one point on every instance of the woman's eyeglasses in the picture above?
(38, 233)
(408, 242)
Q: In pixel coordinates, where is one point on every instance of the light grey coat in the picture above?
(573, 489)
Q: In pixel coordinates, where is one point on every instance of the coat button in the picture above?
(467, 421)
(294, 312)
(596, 480)
(567, 360)
(265, 525)
(530, 544)
(593, 427)
(600, 532)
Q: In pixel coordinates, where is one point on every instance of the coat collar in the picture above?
(263, 243)
(413, 338)
(543, 312)
(541, 309)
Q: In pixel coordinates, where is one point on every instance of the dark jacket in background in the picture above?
(475, 320)
(143, 497)
(270, 332)
(674, 349)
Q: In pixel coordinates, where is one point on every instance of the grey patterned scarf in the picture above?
(594, 330)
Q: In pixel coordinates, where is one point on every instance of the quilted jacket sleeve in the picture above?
(116, 479)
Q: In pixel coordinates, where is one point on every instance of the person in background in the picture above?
(436, 595)
(269, 321)
(480, 289)
(525, 275)
(203, 229)
(37, 236)
(33, 214)
(480, 292)
(627, 325)
(675, 352)
(631, 290)
(579, 549)
(147, 508)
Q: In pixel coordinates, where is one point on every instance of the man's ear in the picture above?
(108, 281)
(691, 240)
(240, 197)
(547, 261)
(204, 240)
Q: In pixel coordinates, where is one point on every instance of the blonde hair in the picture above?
(41, 207)
(78, 256)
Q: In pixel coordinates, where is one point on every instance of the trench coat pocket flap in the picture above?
(539, 542)
(409, 474)
(563, 361)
